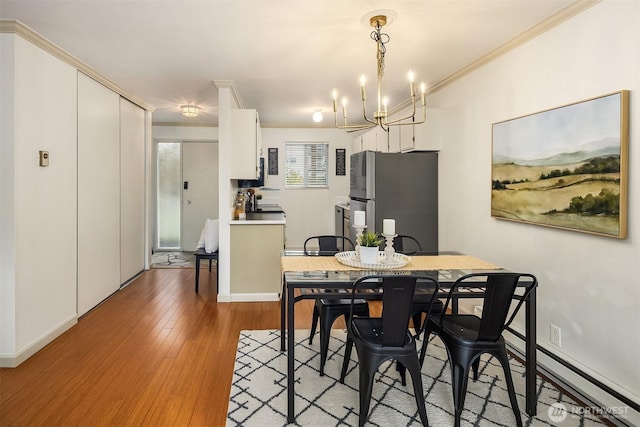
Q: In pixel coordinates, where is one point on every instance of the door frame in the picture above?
(154, 181)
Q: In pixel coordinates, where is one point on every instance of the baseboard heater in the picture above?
(622, 398)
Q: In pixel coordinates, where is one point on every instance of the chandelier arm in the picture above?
(364, 114)
(397, 122)
(352, 128)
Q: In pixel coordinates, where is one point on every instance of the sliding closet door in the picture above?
(132, 173)
(98, 193)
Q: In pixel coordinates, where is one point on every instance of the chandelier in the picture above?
(380, 116)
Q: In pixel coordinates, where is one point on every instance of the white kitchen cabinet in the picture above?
(375, 139)
(418, 137)
(246, 144)
(394, 139)
(407, 137)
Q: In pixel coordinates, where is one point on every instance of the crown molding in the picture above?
(182, 124)
(230, 84)
(20, 29)
(517, 41)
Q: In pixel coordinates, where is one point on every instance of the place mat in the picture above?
(421, 262)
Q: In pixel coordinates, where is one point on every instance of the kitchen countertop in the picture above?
(269, 208)
(265, 217)
(344, 206)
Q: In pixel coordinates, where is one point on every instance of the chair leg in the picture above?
(425, 343)
(368, 365)
(417, 321)
(504, 360)
(347, 356)
(326, 322)
(314, 323)
(402, 371)
(413, 365)
(459, 378)
(366, 385)
(324, 346)
(475, 366)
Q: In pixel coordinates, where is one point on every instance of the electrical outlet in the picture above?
(556, 335)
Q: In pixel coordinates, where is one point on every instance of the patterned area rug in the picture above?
(173, 260)
(259, 396)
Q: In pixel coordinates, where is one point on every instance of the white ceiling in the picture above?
(285, 56)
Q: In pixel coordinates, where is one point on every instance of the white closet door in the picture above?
(98, 193)
(132, 173)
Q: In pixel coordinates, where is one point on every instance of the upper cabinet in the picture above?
(375, 139)
(420, 137)
(246, 144)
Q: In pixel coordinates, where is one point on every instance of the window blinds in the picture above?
(307, 165)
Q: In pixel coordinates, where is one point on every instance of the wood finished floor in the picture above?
(154, 354)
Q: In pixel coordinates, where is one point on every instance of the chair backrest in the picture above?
(405, 244)
(498, 293)
(326, 245)
(397, 297)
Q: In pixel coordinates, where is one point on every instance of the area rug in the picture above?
(173, 260)
(259, 396)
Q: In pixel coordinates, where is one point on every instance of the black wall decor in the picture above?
(341, 154)
(273, 161)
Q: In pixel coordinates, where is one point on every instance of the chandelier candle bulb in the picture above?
(358, 218)
(389, 227)
(412, 84)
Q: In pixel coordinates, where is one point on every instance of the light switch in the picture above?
(44, 158)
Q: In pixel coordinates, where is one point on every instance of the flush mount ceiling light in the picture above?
(190, 110)
(380, 117)
(317, 116)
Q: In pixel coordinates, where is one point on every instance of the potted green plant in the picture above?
(369, 242)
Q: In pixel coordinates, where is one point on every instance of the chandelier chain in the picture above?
(381, 40)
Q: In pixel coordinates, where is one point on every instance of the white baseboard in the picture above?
(13, 360)
(253, 297)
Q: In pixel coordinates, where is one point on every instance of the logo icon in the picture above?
(557, 412)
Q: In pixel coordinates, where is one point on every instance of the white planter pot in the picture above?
(368, 255)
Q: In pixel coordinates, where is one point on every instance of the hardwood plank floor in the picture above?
(154, 354)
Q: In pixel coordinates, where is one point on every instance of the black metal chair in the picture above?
(327, 310)
(409, 245)
(467, 336)
(379, 339)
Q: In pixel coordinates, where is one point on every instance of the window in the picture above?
(307, 165)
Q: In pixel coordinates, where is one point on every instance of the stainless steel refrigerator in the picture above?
(400, 186)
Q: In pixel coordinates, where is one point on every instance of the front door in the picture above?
(199, 190)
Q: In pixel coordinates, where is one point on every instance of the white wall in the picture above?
(38, 204)
(589, 285)
(309, 211)
(185, 133)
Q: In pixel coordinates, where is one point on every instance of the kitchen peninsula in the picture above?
(256, 245)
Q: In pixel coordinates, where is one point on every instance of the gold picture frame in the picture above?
(565, 167)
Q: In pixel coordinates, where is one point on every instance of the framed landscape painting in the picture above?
(565, 167)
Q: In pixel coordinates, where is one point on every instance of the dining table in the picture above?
(315, 277)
